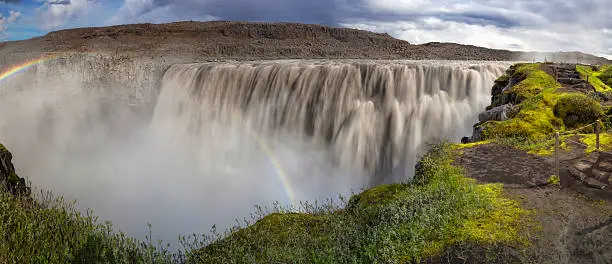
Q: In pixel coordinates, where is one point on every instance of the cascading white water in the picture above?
(374, 115)
(225, 136)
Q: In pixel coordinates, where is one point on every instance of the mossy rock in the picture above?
(577, 109)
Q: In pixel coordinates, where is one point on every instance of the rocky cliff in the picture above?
(197, 41)
(9, 180)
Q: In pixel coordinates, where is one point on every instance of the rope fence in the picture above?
(598, 127)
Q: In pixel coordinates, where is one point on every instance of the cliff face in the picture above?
(9, 180)
(197, 41)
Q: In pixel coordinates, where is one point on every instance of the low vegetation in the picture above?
(535, 95)
(576, 109)
(600, 78)
(544, 109)
(434, 217)
(424, 220)
(53, 231)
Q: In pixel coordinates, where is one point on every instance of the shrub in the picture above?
(577, 109)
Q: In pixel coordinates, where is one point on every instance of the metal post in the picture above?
(557, 154)
(597, 135)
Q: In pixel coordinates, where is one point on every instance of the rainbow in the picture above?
(280, 172)
(23, 66)
(282, 175)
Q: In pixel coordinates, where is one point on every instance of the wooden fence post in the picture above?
(557, 154)
(597, 128)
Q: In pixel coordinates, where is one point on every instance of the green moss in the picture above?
(535, 119)
(503, 78)
(470, 145)
(380, 195)
(605, 142)
(533, 81)
(577, 109)
(594, 76)
(554, 180)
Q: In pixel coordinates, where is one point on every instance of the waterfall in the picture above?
(191, 145)
(369, 114)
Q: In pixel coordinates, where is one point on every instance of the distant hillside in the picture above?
(243, 40)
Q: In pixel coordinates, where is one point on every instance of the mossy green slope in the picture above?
(543, 110)
(397, 223)
(600, 78)
(535, 96)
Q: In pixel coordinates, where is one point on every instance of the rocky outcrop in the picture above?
(594, 171)
(9, 180)
(498, 113)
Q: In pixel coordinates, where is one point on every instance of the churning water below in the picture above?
(223, 137)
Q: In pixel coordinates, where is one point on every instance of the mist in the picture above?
(183, 162)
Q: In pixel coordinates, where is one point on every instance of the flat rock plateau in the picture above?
(198, 41)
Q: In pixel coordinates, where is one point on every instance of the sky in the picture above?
(534, 25)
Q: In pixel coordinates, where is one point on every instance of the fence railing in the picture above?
(598, 125)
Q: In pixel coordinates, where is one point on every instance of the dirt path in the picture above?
(576, 220)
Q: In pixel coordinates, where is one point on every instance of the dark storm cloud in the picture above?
(313, 11)
(59, 2)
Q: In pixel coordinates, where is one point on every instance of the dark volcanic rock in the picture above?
(8, 178)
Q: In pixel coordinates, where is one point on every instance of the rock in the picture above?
(593, 183)
(476, 133)
(583, 165)
(500, 113)
(570, 81)
(9, 180)
(465, 140)
(606, 166)
(593, 158)
(577, 174)
(600, 175)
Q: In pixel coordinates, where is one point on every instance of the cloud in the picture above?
(5, 21)
(518, 25)
(55, 14)
(313, 11)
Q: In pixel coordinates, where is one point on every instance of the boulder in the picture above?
(499, 113)
(9, 181)
(477, 133)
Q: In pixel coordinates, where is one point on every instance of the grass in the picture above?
(439, 211)
(53, 231)
(595, 76)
